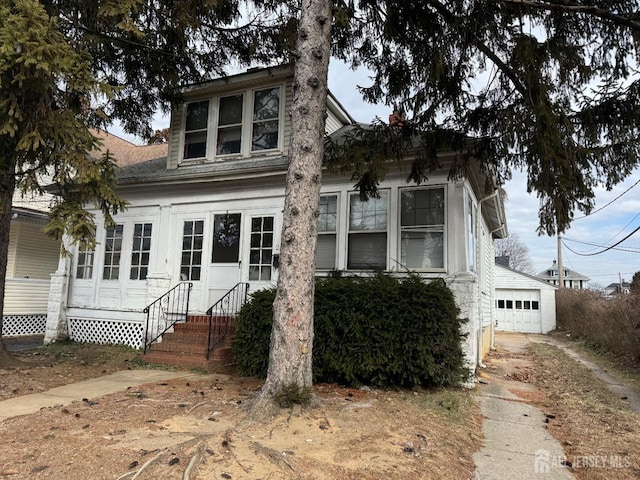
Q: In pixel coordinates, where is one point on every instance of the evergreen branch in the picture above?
(573, 7)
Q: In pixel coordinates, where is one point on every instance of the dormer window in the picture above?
(266, 113)
(241, 124)
(195, 137)
(229, 125)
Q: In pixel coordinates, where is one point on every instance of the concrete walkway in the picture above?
(516, 444)
(89, 389)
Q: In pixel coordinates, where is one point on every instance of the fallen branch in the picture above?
(136, 473)
(195, 406)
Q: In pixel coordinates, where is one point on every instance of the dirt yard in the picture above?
(197, 429)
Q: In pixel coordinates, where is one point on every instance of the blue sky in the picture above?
(604, 227)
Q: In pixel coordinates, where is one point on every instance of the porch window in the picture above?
(195, 137)
(367, 247)
(192, 241)
(327, 221)
(266, 119)
(422, 228)
(112, 252)
(84, 268)
(140, 251)
(230, 125)
(261, 249)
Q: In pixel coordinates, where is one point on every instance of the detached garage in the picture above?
(524, 303)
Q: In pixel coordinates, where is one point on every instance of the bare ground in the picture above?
(197, 429)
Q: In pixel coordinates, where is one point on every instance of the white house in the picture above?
(210, 214)
(571, 279)
(524, 303)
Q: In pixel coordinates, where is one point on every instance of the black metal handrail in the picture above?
(222, 314)
(166, 311)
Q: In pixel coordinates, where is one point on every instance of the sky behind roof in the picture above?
(603, 228)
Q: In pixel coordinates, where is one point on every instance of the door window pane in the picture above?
(226, 238)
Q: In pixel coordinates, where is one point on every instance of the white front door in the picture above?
(225, 268)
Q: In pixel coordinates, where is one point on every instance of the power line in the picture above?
(605, 206)
(605, 249)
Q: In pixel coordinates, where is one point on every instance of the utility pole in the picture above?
(560, 268)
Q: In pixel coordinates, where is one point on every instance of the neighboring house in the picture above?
(33, 257)
(571, 279)
(524, 303)
(210, 213)
(617, 288)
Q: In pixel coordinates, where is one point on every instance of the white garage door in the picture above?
(518, 311)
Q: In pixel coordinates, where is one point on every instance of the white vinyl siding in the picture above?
(36, 255)
(25, 296)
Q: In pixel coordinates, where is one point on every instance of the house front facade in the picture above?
(210, 214)
(571, 278)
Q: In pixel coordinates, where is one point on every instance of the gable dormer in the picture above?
(238, 117)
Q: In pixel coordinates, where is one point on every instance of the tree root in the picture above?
(136, 473)
(273, 455)
(194, 462)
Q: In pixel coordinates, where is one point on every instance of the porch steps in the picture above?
(186, 346)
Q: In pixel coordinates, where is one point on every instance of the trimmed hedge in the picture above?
(377, 330)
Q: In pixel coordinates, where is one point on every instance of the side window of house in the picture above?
(266, 119)
(112, 252)
(140, 251)
(192, 241)
(226, 238)
(327, 221)
(196, 125)
(229, 138)
(367, 247)
(422, 228)
(261, 249)
(471, 233)
(84, 268)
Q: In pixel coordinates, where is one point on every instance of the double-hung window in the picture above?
(422, 228)
(266, 119)
(230, 125)
(327, 222)
(112, 252)
(368, 232)
(196, 126)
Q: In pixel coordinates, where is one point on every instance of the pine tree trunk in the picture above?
(290, 356)
(7, 187)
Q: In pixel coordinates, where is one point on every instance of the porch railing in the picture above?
(222, 314)
(166, 311)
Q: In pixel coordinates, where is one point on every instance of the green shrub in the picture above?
(376, 330)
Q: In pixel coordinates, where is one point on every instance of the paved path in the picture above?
(88, 389)
(516, 444)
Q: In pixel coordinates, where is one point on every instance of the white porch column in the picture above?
(57, 327)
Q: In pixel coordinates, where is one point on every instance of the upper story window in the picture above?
(422, 228)
(266, 119)
(240, 124)
(195, 137)
(229, 125)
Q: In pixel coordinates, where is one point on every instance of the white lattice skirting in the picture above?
(14, 325)
(106, 332)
